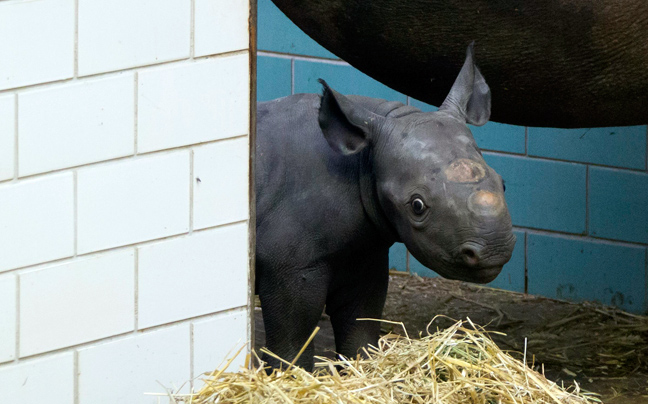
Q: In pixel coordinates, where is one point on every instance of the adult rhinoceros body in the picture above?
(340, 179)
(559, 63)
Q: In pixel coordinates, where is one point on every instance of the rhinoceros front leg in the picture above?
(292, 301)
(358, 291)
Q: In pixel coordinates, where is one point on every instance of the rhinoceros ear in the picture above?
(469, 98)
(346, 125)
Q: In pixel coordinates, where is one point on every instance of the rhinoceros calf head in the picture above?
(433, 186)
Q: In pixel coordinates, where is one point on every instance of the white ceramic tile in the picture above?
(7, 317)
(216, 341)
(193, 102)
(130, 201)
(7, 136)
(121, 372)
(77, 302)
(119, 34)
(221, 26)
(48, 380)
(191, 276)
(221, 195)
(76, 124)
(36, 221)
(36, 42)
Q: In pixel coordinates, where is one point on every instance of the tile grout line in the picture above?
(580, 237)
(16, 138)
(128, 335)
(17, 320)
(292, 76)
(407, 261)
(587, 201)
(76, 40)
(149, 66)
(191, 357)
(526, 262)
(161, 152)
(41, 265)
(75, 196)
(75, 379)
(136, 291)
(192, 28)
(526, 141)
(556, 160)
(306, 58)
(136, 113)
(191, 190)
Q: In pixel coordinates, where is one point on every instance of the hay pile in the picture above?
(460, 364)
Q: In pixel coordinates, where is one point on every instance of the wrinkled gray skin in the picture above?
(340, 179)
(551, 63)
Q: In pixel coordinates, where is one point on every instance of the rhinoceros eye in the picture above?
(418, 206)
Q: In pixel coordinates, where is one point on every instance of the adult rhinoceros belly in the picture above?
(560, 63)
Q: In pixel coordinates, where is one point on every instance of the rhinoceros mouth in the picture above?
(470, 274)
(484, 275)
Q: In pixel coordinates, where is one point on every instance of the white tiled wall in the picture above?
(133, 200)
(120, 372)
(36, 42)
(208, 100)
(37, 220)
(50, 380)
(124, 205)
(220, 166)
(95, 118)
(229, 34)
(7, 317)
(93, 298)
(191, 276)
(118, 34)
(213, 348)
(7, 136)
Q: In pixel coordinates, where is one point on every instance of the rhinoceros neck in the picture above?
(371, 202)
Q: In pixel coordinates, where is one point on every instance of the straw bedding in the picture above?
(456, 365)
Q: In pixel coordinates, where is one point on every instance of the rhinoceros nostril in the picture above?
(470, 255)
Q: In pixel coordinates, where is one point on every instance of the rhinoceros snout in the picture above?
(470, 254)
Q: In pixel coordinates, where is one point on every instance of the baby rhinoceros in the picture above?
(339, 179)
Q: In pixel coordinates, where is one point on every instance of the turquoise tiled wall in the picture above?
(280, 70)
(343, 78)
(568, 268)
(578, 197)
(543, 194)
(618, 204)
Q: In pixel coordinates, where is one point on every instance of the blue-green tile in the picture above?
(571, 269)
(500, 137)
(421, 270)
(543, 194)
(398, 257)
(619, 147)
(512, 275)
(277, 33)
(343, 78)
(274, 78)
(618, 204)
